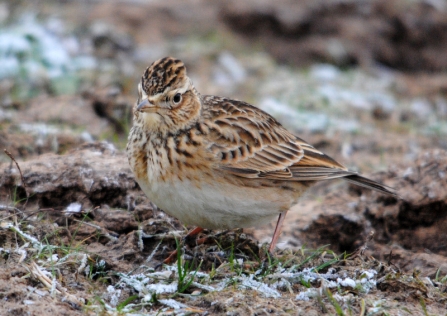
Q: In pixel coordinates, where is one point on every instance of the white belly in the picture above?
(214, 207)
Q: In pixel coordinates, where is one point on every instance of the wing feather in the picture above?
(262, 146)
(252, 144)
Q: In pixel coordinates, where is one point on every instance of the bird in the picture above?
(219, 163)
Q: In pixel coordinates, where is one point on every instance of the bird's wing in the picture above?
(250, 143)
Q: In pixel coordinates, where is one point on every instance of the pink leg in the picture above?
(277, 232)
(194, 232)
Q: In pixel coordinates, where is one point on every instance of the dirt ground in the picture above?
(77, 235)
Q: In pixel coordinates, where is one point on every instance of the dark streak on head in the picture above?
(163, 73)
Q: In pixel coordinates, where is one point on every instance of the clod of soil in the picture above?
(405, 230)
(401, 35)
(93, 175)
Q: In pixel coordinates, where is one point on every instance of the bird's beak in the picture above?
(146, 106)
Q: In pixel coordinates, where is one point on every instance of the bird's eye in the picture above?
(177, 98)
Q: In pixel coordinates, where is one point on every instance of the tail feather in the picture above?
(370, 184)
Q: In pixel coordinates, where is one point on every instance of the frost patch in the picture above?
(113, 294)
(74, 208)
(307, 295)
(158, 288)
(248, 282)
(347, 282)
(172, 303)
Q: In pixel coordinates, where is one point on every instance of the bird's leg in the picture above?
(190, 234)
(193, 233)
(277, 232)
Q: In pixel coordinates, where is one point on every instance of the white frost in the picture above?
(114, 295)
(74, 207)
(159, 288)
(306, 295)
(248, 282)
(172, 303)
(347, 282)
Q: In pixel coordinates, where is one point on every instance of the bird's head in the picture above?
(167, 99)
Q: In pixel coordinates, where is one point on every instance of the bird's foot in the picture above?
(187, 239)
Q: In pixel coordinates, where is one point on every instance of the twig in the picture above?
(21, 176)
(390, 258)
(361, 250)
(102, 230)
(9, 208)
(164, 236)
(38, 273)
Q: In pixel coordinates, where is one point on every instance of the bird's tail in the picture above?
(370, 184)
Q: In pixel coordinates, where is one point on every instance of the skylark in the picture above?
(219, 163)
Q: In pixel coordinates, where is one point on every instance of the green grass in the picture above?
(184, 269)
(334, 303)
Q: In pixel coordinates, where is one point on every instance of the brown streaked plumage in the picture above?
(219, 163)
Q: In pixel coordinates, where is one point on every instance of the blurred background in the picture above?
(365, 81)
